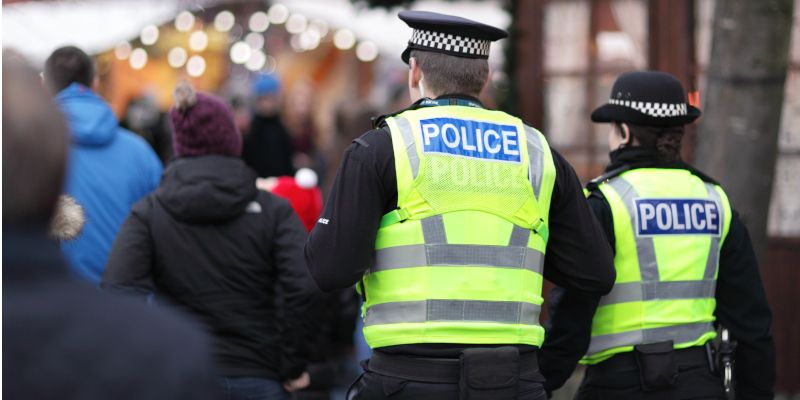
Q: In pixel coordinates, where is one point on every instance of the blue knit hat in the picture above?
(266, 84)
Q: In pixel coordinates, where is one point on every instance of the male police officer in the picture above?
(443, 215)
(683, 260)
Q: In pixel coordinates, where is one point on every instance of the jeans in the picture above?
(247, 388)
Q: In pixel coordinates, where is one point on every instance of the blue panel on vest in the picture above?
(677, 217)
(469, 138)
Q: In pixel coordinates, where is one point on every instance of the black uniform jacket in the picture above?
(741, 302)
(340, 248)
(212, 245)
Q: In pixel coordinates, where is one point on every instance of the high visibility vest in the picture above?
(669, 227)
(460, 260)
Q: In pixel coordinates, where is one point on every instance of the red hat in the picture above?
(303, 194)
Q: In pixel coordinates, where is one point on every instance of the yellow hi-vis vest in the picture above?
(669, 227)
(460, 260)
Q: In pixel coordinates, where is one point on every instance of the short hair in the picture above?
(35, 142)
(446, 74)
(68, 65)
(666, 140)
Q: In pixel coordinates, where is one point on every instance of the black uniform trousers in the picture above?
(374, 386)
(619, 378)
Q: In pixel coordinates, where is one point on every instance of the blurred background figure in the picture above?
(109, 169)
(267, 145)
(63, 338)
(143, 117)
(330, 345)
(212, 245)
(299, 117)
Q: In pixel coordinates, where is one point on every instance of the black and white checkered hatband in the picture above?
(659, 110)
(449, 43)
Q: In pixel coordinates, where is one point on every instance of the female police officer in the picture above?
(683, 260)
(448, 215)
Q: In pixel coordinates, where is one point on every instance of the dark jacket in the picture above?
(336, 313)
(64, 339)
(209, 243)
(741, 301)
(268, 147)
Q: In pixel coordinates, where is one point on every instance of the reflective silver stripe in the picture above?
(519, 237)
(714, 248)
(676, 333)
(400, 257)
(536, 157)
(433, 229)
(510, 312)
(408, 140)
(670, 290)
(420, 255)
(645, 249)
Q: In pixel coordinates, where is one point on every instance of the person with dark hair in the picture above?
(685, 266)
(447, 216)
(209, 243)
(62, 338)
(109, 169)
(68, 65)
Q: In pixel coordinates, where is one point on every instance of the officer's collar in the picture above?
(443, 100)
(644, 157)
(454, 99)
(636, 157)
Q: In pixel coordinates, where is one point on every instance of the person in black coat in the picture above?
(63, 339)
(210, 244)
(267, 145)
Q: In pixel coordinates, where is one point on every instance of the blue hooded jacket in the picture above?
(109, 170)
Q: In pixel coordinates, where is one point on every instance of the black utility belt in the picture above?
(481, 373)
(627, 361)
(656, 364)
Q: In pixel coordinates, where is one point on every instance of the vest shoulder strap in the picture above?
(380, 121)
(594, 183)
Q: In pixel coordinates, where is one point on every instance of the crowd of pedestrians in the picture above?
(187, 281)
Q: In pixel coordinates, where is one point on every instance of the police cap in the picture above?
(449, 34)
(651, 98)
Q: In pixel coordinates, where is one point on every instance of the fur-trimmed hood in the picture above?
(68, 219)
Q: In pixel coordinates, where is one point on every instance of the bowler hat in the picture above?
(647, 98)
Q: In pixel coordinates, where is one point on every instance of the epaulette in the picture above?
(594, 183)
(380, 121)
(703, 177)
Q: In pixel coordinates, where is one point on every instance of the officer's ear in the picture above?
(624, 132)
(414, 73)
(414, 80)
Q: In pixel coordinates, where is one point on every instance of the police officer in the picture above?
(447, 216)
(684, 263)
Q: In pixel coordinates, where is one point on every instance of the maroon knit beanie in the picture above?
(202, 124)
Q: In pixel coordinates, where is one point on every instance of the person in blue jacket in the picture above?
(109, 168)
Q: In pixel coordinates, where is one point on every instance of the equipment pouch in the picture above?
(657, 367)
(489, 374)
